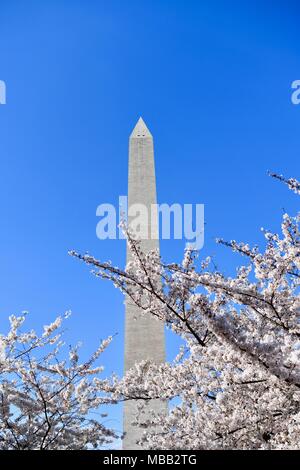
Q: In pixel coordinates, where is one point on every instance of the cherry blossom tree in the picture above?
(235, 383)
(47, 401)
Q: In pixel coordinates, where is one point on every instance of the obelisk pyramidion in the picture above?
(144, 336)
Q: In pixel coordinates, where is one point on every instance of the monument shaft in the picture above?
(144, 336)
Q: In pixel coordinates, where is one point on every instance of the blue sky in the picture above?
(212, 80)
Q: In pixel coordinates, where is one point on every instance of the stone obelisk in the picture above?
(144, 336)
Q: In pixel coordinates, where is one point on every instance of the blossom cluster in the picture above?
(47, 401)
(236, 382)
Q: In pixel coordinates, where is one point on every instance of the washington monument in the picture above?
(144, 336)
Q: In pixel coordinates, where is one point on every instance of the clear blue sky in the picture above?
(212, 81)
